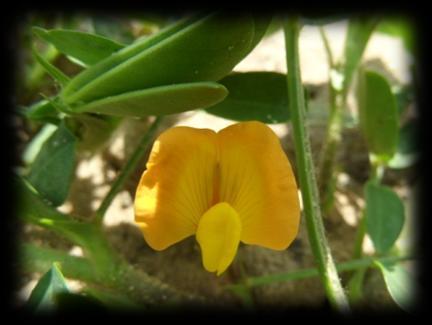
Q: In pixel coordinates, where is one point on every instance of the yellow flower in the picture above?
(226, 187)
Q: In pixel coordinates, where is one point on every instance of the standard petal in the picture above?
(256, 179)
(177, 187)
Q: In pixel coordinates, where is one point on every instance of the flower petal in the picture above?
(218, 234)
(258, 182)
(177, 187)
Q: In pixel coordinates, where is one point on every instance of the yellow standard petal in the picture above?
(176, 189)
(218, 234)
(256, 179)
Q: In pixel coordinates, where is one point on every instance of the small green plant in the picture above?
(185, 66)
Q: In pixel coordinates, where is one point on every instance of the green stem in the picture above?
(313, 272)
(127, 170)
(332, 138)
(306, 172)
(327, 47)
(137, 285)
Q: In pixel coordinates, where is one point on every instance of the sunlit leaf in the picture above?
(51, 70)
(85, 47)
(378, 114)
(399, 284)
(52, 171)
(260, 96)
(189, 55)
(44, 295)
(385, 216)
(159, 100)
(123, 55)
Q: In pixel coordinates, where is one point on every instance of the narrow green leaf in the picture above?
(125, 54)
(52, 171)
(359, 32)
(43, 111)
(378, 114)
(399, 283)
(189, 55)
(85, 47)
(44, 295)
(385, 216)
(52, 70)
(159, 100)
(260, 96)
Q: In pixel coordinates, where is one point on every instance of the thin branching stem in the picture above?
(127, 169)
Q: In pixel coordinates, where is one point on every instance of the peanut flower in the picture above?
(226, 187)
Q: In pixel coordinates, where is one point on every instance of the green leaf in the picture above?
(123, 55)
(385, 216)
(159, 100)
(85, 47)
(398, 282)
(358, 35)
(189, 55)
(32, 208)
(378, 114)
(407, 153)
(399, 27)
(34, 146)
(260, 96)
(319, 19)
(44, 295)
(52, 70)
(43, 111)
(52, 171)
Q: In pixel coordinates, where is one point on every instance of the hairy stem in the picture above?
(352, 265)
(306, 172)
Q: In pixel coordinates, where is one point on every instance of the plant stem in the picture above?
(333, 135)
(127, 170)
(306, 172)
(135, 284)
(327, 47)
(313, 272)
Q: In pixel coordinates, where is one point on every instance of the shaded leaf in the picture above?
(378, 114)
(407, 153)
(32, 208)
(385, 216)
(44, 295)
(398, 282)
(159, 100)
(399, 27)
(34, 146)
(52, 171)
(43, 111)
(85, 47)
(358, 34)
(260, 96)
(186, 56)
